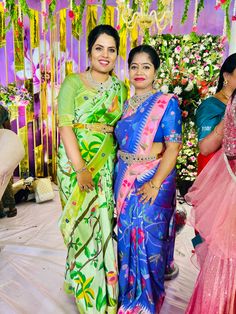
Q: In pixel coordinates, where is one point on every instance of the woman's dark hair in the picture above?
(228, 66)
(99, 30)
(153, 56)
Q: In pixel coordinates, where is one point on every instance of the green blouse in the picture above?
(78, 104)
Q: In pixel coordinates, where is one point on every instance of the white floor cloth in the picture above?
(32, 257)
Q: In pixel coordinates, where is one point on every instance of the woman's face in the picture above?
(231, 79)
(142, 72)
(103, 55)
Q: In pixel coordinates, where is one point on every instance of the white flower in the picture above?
(186, 60)
(212, 90)
(200, 72)
(186, 49)
(162, 75)
(206, 68)
(202, 47)
(189, 87)
(177, 90)
(164, 89)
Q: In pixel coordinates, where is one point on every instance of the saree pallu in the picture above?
(209, 114)
(143, 229)
(86, 221)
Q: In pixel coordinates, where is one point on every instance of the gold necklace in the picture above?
(136, 100)
(225, 96)
(100, 87)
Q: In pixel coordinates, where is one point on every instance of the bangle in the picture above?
(80, 170)
(153, 186)
(218, 134)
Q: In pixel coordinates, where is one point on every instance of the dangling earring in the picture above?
(154, 83)
(225, 83)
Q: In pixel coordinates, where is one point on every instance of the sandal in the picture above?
(2, 214)
(12, 212)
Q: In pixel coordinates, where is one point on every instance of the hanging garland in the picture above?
(103, 16)
(11, 12)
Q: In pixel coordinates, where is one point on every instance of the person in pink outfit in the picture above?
(213, 197)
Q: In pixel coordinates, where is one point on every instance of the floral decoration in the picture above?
(190, 66)
(12, 95)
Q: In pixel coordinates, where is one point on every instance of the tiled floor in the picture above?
(32, 256)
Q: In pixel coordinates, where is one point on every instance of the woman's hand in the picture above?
(148, 192)
(85, 181)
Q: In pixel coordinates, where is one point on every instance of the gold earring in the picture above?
(225, 82)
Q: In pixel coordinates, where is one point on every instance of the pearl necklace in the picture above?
(100, 87)
(136, 100)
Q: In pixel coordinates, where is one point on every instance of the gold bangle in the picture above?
(218, 134)
(80, 170)
(153, 186)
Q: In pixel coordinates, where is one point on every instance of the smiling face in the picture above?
(103, 54)
(141, 73)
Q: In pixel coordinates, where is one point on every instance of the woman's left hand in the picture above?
(148, 193)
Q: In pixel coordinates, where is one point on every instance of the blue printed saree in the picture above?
(144, 229)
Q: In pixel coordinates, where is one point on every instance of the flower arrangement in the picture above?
(12, 95)
(190, 66)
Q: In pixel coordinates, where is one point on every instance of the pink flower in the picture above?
(234, 18)
(73, 203)
(217, 6)
(71, 14)
(44, 14)
(222, 1)
(190, 144)
(171, 28)
(178, 49)
(48, 2)
(194, 28)
(118, 27)
(193, 158)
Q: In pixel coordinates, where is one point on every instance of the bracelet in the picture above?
(80, 170)
(153, 186)
(218, 134)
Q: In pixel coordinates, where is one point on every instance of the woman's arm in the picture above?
(213, 141)
(84, 177)
(150, 190)
(167, 163)
(71, 146)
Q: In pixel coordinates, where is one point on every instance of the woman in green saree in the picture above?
(89, 106)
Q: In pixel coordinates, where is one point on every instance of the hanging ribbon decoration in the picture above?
(63, 30)
(110, 15)
(18, 41)
(2, 26)
(34, 29)
(91, 18)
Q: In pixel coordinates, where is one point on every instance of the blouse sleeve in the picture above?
(170, 128)
(206, 120)
(66, 99)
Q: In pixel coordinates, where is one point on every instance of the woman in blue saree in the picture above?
(149, 138)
